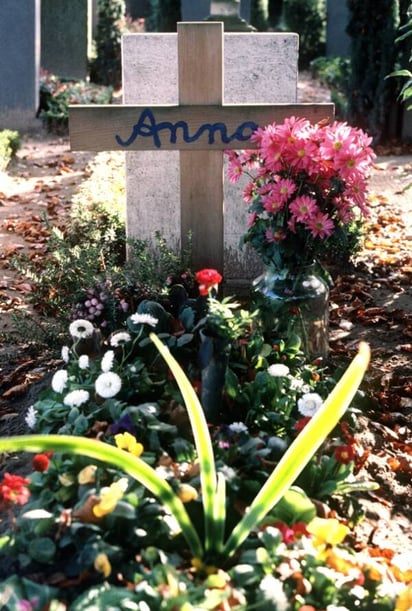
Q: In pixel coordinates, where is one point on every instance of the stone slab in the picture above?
(258, 68)
(66, 37)
(19, 63)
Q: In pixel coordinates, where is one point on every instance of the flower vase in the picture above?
(214, 359)
(295, 301)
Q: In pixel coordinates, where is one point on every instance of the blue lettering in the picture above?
(146, 127)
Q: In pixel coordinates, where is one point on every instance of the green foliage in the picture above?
(164, 15)
(259, 15)
(405, 36)
(308, 19)
(9, 145)
(56, 94)
(214, 549)
(335, 72)
(106, 67)
(87, 260)
(372, 98)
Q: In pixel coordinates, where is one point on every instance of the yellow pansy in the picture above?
(404, 600)
(187, 493)
(87, 475)
(126, 441)
(102, 564)
(109, 497)
(327, 531)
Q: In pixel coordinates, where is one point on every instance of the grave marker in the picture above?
(19, 63)
(200, 126)
(66, 37)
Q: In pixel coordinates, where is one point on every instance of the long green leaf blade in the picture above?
(202, 440)
(134, 466)
(302, 449)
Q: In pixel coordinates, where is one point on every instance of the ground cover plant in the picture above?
(173, 512)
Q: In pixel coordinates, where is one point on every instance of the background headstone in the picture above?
(194, 11)
(150, 76)
(66, 37)
(19, 62)
(337, 40)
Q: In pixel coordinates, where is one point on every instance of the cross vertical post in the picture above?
(200, 69)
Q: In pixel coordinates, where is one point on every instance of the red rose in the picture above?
(41, 462)
(207, 279)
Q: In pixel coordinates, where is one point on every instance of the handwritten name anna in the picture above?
(146, 127)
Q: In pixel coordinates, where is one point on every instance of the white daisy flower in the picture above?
(107, 361)
(76, 398)
(108, 384)
(80, 329)
(84, 361)
(118, 339)
(238, 427)
(30, 417)
(65, 353)
(59, 380)
(309, 404)
(278, 370)
(146, 319)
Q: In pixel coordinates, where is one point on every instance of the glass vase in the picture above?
(295, 301)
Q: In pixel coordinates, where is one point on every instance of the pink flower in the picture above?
(284, 188)
(249, 192)
(320, 225)
(235, 170)
(275, 235)
(271, 202)
(307, 181)
(303, 207)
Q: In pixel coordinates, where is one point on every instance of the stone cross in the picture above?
(198, 128)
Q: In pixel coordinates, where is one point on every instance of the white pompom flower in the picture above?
(84, 361)
(81, 329)
(76, 398)
(146, 319)
(309, 404)
(108, 384)
(59, 380)
(107, 361)
(278, 370)
(119, 339)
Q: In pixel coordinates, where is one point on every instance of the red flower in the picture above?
(345, 454)
(207, 279)
(13, 489)
(291, 533)
(41, 462)
(301, 423)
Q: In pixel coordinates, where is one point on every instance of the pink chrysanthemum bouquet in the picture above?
(308, 186)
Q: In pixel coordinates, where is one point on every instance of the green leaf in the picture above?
(203, 443)
(42, 550)
(133, 465)
(294, 506)
(302, 449)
